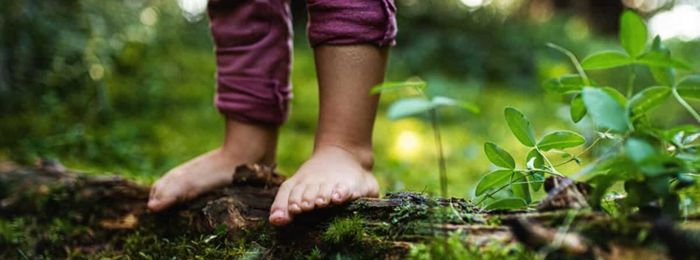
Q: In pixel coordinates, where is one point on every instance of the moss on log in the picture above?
(48, 211)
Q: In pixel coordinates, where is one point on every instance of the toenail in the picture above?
(336, 196)
(277, 214)
(307, 204)
(320, 201)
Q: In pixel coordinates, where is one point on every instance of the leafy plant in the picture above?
(509, 187)
(420, 105)
(653, 163)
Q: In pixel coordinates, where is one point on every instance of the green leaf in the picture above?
(560, 140)
(519, 186)
(492, 180)
(605, 110)
(506, 203)
(689, 87)
(662, 75)
(394, 86)
(646, 157)
(605, 60)
(614, 93)
(536, 180)
(660, 59)
(578, 109)
(409, 107)
(498, 156)
(564, 84)
(639, 150)
(535, 160)
(633, 33)
(648, 98)
(520, 126)
(677, 134)
(445, 101)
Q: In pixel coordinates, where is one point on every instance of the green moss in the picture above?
(13, 234)
(453, 247)
(344, 231)
(408, 212)
(315, 254)
(213, 246)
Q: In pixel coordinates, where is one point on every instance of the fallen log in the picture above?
(108, 215)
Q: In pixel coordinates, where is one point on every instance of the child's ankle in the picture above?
(363, 154)
(250, 143)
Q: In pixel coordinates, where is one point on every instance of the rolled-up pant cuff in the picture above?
(253, 100)
(344, 22)
(253, 56)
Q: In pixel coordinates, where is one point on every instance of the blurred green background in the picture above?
(126, 86)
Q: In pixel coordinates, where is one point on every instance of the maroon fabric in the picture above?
(253, 45)
(343, 22)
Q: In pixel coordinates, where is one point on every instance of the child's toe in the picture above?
(295, 198)
(158, 203)
(341, 193)
(325, 193)
(309, 197)
(279, 214)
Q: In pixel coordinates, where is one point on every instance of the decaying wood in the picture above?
(112, 204)
(564, 193)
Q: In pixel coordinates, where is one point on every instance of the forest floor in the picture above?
(47, 211)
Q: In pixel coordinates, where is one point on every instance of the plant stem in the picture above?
(574, 60)
(630, 81)
(441, 155)
(527, 173)
(685, 104)
(630, 90)
(488, 195)
(546, 160)
(581, 153)
(590, 167)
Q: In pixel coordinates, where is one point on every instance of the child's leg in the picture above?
(253, 55)
(348, 67)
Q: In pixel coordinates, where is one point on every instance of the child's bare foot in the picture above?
(244, 143)
(333, 175)
(340, 168)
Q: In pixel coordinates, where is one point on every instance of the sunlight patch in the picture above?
(474, 3)
(408, 144)
(192, 9)
(680, 22)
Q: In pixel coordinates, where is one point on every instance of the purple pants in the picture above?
(253, 41)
